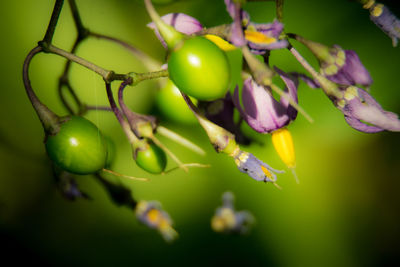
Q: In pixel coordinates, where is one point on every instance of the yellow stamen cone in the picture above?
(258, 37)
(221, 43)
(283, 144)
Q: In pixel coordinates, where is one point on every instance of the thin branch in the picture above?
(48, 37)
(82, 31)
(47, 117)
(279, 10)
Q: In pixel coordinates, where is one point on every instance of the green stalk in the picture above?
(171, 36)
(49, 119)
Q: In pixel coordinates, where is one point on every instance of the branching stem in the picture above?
(50, 120)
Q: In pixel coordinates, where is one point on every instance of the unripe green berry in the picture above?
(171, 103)
(78, 147)
(151, 158)
(199, 68)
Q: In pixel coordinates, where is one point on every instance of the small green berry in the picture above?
(151, 158)
(78, 147)
(200, 69)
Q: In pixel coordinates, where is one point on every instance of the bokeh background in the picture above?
(344, 212)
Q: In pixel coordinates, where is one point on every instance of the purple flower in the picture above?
(259, 37)
(181, 22)
(344, 67)
(363, 112)
(227, 220)
(386, 21)
(340, 66)
(262, 37)
(261, 111)
(151, 214)
(255, 168)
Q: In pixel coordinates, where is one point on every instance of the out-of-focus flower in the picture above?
(181, 22)
(151, 214)
(364, 113)
(255, 168)
(260, 37)
(386, 21)
(261, 111)
(341, 66)
(227, 220)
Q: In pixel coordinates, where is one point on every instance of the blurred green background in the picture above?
(344, 212)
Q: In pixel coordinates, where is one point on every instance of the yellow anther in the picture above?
(330, 69)
(243, 157)
(221, 43)
(266, 172)
(164, 225)
(217, 224)
(340, 58)
(341, 103)
(351, 92)
(283, 144)
(258, 37)
(229, 217)
(154, 216)
(369, 4)
(377, 10)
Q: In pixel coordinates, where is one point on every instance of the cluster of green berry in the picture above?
(198, 90)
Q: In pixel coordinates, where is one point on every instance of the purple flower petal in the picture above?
(261, 111)
(350, 71)
(386, 21)
(358, 105)
(272, 32)
(236, 35)
(230, 7)
(181, 22)
(291, 89)
(360, 126)
(255, 168)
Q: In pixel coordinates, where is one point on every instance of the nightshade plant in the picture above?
(199, 75)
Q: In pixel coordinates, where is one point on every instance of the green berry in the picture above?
(171, 103)
(200, 69)
(151, 158)
(78, 147)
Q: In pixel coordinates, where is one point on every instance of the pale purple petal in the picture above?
(261, 111)
(386, 21)
(291, 89)
(364, 108)
(230, 7)
(352, 72)
(181, 22)
(236, 35)
(362, 127)
(252, 166)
